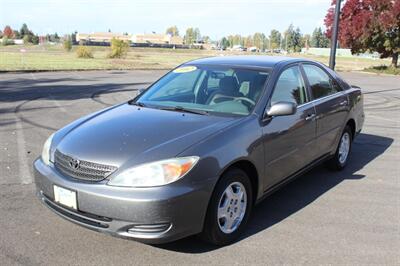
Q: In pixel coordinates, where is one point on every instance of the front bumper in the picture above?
(152, 215)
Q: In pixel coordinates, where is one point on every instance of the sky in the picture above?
(215, 18)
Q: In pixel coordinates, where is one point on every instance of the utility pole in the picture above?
(335, 30)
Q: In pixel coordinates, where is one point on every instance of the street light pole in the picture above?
(335, 30)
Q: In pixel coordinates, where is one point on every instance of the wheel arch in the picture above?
(352, 124)
(250, 169)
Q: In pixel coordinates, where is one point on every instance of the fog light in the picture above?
(149, 228)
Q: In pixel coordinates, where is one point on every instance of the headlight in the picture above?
(156, 173)
(46, 150)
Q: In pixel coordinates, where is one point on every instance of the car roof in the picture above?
(262, 61)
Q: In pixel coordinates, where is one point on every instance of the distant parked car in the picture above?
(253, 49)
(194, 152)
(237, 48)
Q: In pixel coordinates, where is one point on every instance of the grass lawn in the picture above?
(53, 57)
(383, 69)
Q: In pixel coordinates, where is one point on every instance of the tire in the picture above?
(339, 160)
(217, 229)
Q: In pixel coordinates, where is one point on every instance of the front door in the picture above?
(289, 141)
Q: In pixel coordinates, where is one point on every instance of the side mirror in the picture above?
(281, 109)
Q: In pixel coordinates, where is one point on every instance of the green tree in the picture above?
(73, 37)
(248, 41)
(84, 52)
(235, 40)
(17, 35)
(119, 48)
(206, 39)
(35, 39)
(67, 43)
(293, 39)
(319, 39)
(259, 40)
(305, 40)
(298, 40)
(224, 43)
(4, 41)
(28, 35)
(192, 35)
(173, 31)
(24, 30)
(27, 39)
(275, 38)
(197, 34)
(189, 36)
(53, 37)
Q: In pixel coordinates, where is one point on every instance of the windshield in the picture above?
(211, 89)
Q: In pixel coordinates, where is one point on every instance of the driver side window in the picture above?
(290, 87)
(178, 84)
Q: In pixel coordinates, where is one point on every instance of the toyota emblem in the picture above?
(74, 163)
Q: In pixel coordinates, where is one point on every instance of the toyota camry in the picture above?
(195, 151)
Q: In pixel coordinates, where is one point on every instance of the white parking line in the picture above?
(24, 173)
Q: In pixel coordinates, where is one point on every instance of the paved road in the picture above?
(351, 217)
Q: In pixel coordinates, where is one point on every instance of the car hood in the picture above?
(131, 135)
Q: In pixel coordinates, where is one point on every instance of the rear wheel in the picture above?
(339, 160)
(229, 208)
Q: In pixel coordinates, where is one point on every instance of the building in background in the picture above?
(101, 37)
(104, 38)
(157, 39)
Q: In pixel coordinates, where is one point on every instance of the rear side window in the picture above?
(290, 87)
(320, 82)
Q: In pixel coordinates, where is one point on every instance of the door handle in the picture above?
(343, 103)
(310, 117)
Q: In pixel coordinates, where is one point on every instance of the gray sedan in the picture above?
(194, 152)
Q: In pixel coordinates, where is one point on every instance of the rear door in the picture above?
(331, 106)
(289, 140)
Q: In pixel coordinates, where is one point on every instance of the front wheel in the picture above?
(229, 208)
(339, 160)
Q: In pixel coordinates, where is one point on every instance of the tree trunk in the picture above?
(395, 58)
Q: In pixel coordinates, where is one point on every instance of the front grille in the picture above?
(82, 170)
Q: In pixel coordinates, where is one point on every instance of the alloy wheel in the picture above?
(344, 148)
(232, 207)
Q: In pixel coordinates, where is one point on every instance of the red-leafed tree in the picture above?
(368, 25)
(8, 32)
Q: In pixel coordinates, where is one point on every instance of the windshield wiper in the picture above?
(137, 103)
(183, 109)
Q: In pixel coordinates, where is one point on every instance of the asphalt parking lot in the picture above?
(350, 217)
